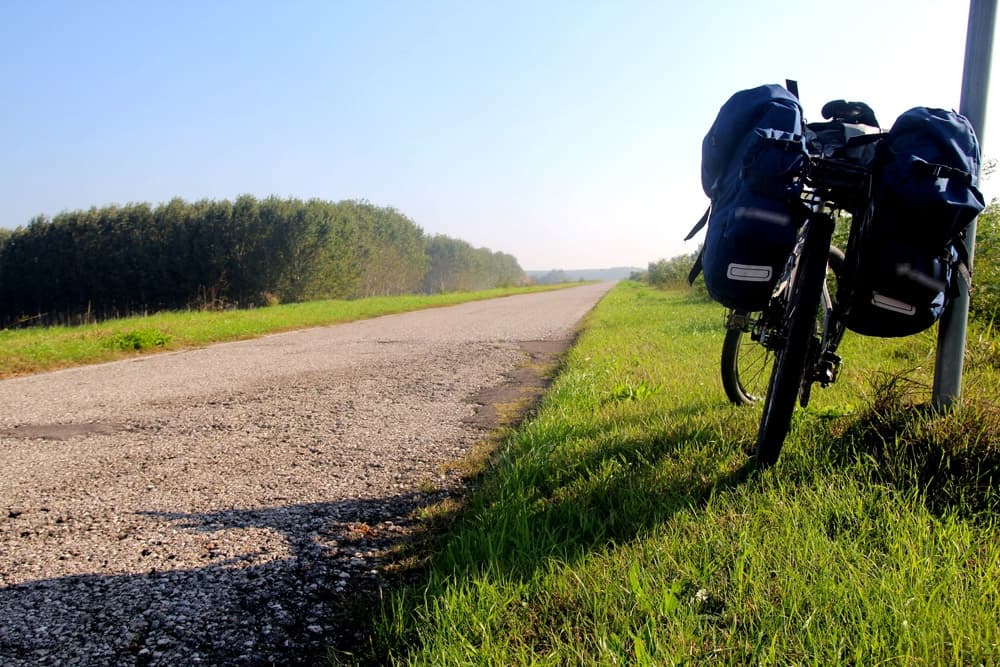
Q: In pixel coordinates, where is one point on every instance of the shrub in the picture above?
(137, 339)
(672, 272)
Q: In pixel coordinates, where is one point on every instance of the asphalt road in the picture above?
(222, 505)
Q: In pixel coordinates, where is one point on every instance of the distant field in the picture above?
(570, 275)
(621, 524)
(32, 350)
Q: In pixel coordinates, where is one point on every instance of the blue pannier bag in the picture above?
(900, 271)
(752, 159)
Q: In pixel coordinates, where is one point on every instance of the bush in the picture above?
(672, 272)
(138, 339)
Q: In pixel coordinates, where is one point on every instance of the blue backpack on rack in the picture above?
(899, 273)
(752, 158)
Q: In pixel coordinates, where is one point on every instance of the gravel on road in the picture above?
(222, 506)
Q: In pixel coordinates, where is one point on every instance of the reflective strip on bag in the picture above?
(749, 273)
(894, 305)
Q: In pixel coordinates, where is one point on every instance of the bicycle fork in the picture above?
(822, 361)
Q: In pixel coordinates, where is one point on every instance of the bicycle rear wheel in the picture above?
(803, 298)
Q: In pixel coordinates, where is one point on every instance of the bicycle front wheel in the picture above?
(802, 300)
(746, 367)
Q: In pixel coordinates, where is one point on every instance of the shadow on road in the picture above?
(240, 609)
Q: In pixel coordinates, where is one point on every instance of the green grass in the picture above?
(621, 524)
(36, 349)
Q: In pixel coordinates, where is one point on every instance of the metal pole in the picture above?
(975, 86)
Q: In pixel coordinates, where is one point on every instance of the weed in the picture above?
(137, 339)
(633, 391)
(428, 486)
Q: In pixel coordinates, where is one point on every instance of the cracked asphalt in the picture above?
(222, 506)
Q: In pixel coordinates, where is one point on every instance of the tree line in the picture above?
(121, 260)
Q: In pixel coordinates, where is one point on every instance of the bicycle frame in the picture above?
(834, 185)
(803, 324)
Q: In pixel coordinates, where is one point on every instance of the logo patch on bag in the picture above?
(749, 273)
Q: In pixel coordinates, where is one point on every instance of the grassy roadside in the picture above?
(33, 350)
(620, 525)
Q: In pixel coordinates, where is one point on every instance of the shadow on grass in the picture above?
(614, 494)
(530, 512)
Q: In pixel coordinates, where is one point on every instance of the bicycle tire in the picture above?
(804, 293)
(745, 365)
(746, 368)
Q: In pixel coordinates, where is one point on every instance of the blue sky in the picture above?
(565, 133)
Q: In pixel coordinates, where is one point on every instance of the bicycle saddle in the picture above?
(849, 112)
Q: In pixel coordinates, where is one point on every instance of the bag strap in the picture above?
(864, 140)
(696, 269)
(698, 225)
(942, 171)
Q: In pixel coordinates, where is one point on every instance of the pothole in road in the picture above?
(58, 431)
(506, 403)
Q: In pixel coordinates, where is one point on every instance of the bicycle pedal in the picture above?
(737, 320)
(827, 369)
